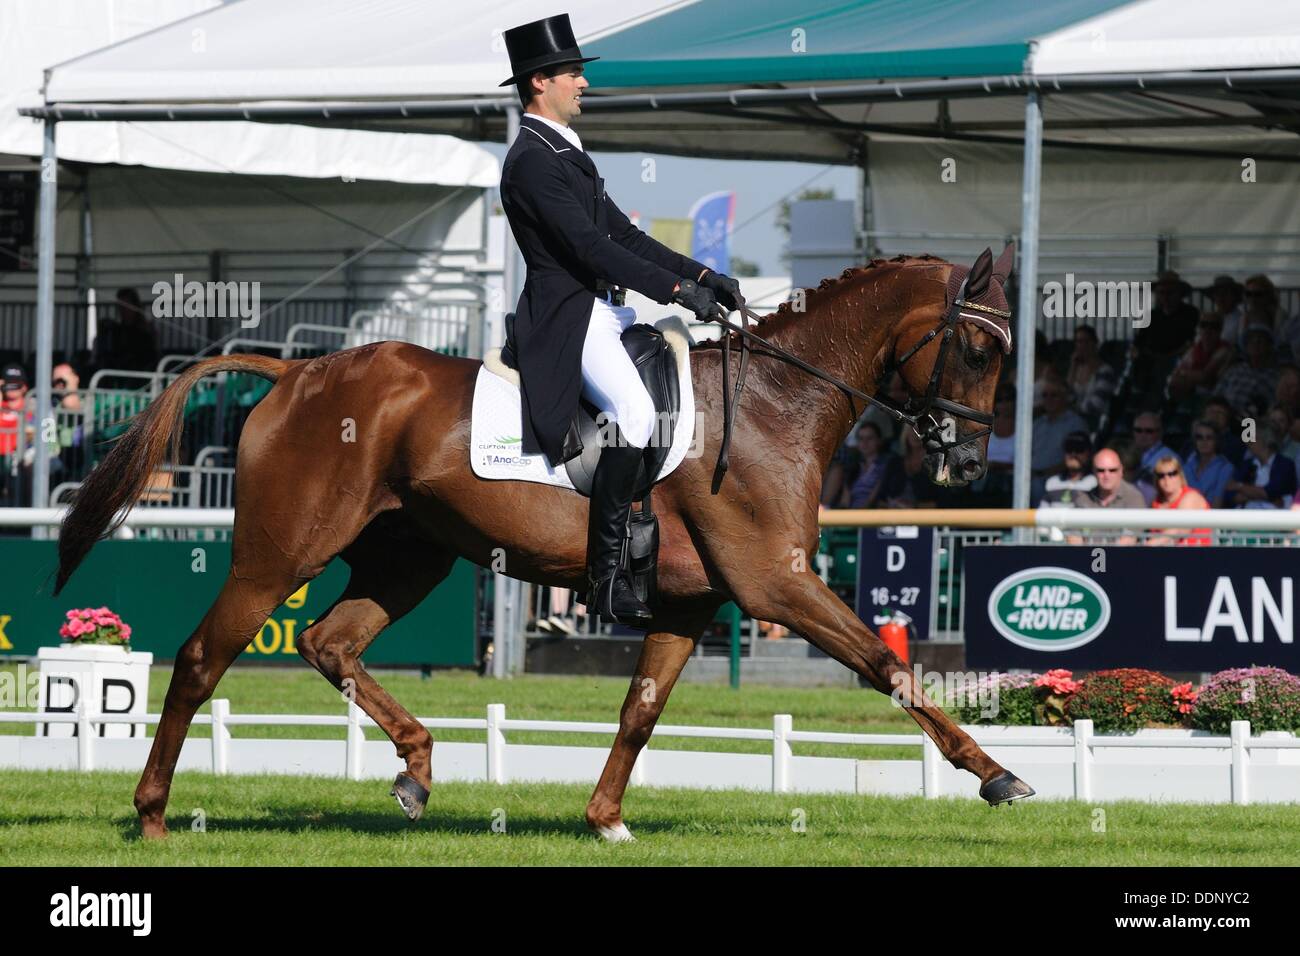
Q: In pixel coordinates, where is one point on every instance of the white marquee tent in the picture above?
(1178, 78)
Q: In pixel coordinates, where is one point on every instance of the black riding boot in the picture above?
(610, 590)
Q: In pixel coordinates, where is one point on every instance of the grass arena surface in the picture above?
(63, 818)
(60, 819)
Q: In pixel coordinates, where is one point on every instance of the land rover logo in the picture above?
(1049, 609)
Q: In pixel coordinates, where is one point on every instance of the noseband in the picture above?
(917, 413)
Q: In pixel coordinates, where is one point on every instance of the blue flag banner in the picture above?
(711, 221)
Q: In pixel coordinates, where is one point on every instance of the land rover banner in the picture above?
(1171, 609)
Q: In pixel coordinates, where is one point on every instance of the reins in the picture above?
(932, 436)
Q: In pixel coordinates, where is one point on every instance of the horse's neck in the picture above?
(841, 336)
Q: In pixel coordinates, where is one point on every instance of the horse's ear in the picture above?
(980, 273)
(1002, 268)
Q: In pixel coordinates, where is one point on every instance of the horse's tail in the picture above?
(121, 478)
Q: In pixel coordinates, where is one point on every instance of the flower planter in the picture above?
(109, 678)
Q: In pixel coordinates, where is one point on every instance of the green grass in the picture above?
(53, 818)
(64, 818)
(301, 690)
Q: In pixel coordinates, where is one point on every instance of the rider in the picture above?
(579, 248)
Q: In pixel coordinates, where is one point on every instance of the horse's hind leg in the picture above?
(664, 653)
(389, 578)
(230, 624)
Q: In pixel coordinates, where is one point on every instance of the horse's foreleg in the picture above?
(802, 602)
(664, 653)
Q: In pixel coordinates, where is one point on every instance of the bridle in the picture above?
(918, 413)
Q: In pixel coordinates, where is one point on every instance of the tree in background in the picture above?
(743, 267)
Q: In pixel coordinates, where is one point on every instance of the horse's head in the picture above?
(948, 350)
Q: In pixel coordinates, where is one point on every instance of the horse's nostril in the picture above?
(971, 467)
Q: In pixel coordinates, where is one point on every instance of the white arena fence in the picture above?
(1059, 762)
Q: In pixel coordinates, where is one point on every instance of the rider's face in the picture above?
(562, 92)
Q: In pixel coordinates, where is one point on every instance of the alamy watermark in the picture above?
(194, 299)
(971, 689)
(1083, 299)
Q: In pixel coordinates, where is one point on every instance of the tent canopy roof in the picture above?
(669, 71)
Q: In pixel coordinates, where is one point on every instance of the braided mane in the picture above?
(824, 288)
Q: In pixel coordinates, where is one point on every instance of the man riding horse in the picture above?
(581, 252)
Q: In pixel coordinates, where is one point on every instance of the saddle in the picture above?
(657, 366)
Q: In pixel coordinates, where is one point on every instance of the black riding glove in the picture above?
(725, 288)
(697, 298)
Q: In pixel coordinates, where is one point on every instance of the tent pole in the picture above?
(1027, 301)
(45, 316)
(88, 257)
(507, 610)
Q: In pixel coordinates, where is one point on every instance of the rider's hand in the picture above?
(697, 298)
(725, 289)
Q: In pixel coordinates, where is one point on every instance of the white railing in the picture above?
(1069, 763)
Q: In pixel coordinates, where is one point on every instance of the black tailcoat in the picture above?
(570, 234)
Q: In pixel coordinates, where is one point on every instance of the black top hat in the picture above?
(542, 43)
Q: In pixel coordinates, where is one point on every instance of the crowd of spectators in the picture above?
(126, 340)
(1198, 409)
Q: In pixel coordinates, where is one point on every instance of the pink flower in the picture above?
(1059, 681)
(94, 623)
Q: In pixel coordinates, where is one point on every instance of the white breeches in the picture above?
(610, 380)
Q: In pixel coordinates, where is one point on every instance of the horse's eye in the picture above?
(977, 359)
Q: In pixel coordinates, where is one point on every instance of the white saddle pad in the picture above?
(496, 431)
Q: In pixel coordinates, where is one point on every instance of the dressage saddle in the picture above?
(657, 366)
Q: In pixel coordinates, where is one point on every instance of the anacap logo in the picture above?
(1049, 609)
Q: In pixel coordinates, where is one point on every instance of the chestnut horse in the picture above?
(364, 454)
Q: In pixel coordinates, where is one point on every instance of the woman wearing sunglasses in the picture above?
(1172, 491)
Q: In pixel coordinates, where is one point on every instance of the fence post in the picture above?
(356, 741)
(85, 746)
(930, 757)
(782, 724)
(1082, 760)
(638, 769)
(220, 737)
(496, 744)
(1240, 735)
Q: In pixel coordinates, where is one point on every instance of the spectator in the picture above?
(1263, 308)
(1266, 479)
(1112, 491)
(1208, 471)
(880, 482)
(1148, 438)
(1044, 370)
(1227, 422)
(1173, 320)
(1074, 476)
(1001, 455)
(1226, 294)
(13, 398)
(1050, 429)
(129, 342)
(1287, 394)
(1202, 364)
(1091, 380)
(68, 460)
(1174, 492)
(1250, 384)
(1282, 421)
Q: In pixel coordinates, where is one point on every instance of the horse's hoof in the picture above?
(618, 834)
(1004, 788)
(411, 796)
(153, 831)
